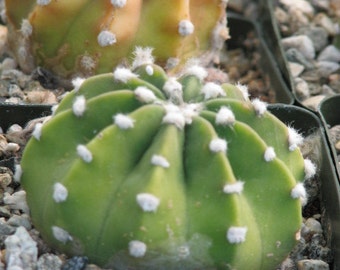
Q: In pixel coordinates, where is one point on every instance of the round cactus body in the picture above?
(138, 169)
(73, 38)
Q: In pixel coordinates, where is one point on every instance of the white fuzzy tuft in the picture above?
(142, 56)
(61, 235)
(185, 28)
(18, 173)
(123, 121)
(173, 89)
(224, 117)
(118, 3)
(145, 95)
(123, 75)
(236, 235)
(60, 193)
(259, 106)
(175, 118)
(161, 161)
(190, 110)
(77, 82)
(43, 2)
(106, 38)
(212, 90)
(37, 131)
(218, 145)
(310, 169)
(84, 153)
(269, 154)
(137, 248)
(26, 28)
(244, 90)
(196, 70)
(79, 106)
(294, 139)
(236, 187)
(148, 202)
(299, 192)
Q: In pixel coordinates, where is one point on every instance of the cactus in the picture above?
(137, 168)
(83, 38)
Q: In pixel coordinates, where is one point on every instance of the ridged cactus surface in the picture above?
(85, 37)
(139, 169)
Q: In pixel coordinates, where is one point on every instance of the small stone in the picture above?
(313, 225)
(317, 34)
(301, 5)
(313, 102)
(330, 53)
(16, 201)
(92, 267)
(21, 250)
(293, 55)
(4, 212)
(295, 69)
(337, 146)
(326, 68)
(312, 265)
(75, 263)
(8, 63)
(321, 4)
(5, 229)
(49, 261)
(41, 97)
(302, 43)
(5, 179)
(326, 22)
(327, 90)
(20, 221)
(301, 89)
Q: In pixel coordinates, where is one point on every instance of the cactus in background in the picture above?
(141, 169)
(82, 38)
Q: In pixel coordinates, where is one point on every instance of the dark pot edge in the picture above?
(307, 122)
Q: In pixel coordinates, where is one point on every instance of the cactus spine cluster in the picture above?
(84, 37)
(141, 169)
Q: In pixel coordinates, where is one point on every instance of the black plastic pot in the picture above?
(19, 114)
(329, 110)
(308, 123)
(239, 27)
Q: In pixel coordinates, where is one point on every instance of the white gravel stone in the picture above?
(302, 43)
(21, 250)
(312, 265)
(330, 53)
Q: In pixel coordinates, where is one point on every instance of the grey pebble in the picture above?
(312, 265)
(317, 34)
(294, 55)
(49, 261)
(302, 43)
(22, 220)
(5, 229)
(326, 68)
(330, 53)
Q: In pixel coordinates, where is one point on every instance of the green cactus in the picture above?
(82, 38)
(141, 169)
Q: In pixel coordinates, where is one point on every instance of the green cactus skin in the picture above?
(83, 38)
(138, 169)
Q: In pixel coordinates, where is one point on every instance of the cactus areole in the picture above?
(139, 169)
(85, 37)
